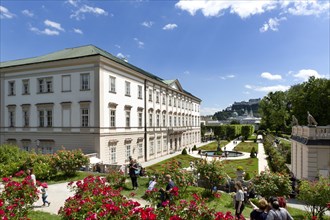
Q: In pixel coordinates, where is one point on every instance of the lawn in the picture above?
(249, 165)
(246, 146)
(213, 145)
(38, 215)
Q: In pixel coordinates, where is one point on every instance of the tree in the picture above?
(316, 196)
(247, 131)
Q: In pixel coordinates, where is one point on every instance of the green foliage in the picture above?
(194, 148)
(69, 161)
(269, 184)
(43, 165)
(211, 173)
(247, 131)
(12, 159)
(316, 196)
(247, 176)
(253, 153)
(184, 151)
(116, 179)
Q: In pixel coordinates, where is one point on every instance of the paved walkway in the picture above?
(57, 193)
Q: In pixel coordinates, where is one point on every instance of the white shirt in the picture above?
(152, 184)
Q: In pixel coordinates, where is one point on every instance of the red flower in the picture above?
(175, 217)
(314, 217)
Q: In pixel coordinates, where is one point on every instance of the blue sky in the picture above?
(220, 51)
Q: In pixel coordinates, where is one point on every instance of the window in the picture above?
(41, 118)
(127, 88)
(151, 148)
(174, 102)
(112, 118)
(26, 118)
(150, 95)
(11, 88)
(140, 119)
(112, 154)
(11, 113)
(157, 120)
(128, 151)
(84, 112)
(164, 99)
(140, 150)
(26, 87)
(174, 121)
(140, 92)
(170, 101)
(45, 114)
(84, 81)
(157, 97)
(128, 118)
(164, 144)
(45, 85)
(164, 120)
(170, 120)
(159, 147)
(66, 83)
(150, 119)
(112, 84)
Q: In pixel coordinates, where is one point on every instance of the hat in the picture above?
(44, 185)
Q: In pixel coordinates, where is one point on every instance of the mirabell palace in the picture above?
(85, 98)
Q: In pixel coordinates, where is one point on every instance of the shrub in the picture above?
(253, 153)
(43, 165)
(316, 196)
(116, 179)
(17, 198)
(184, 151)
(194, 148)
(269, 184)
(247, 176)
(70, 161)
(12, 159)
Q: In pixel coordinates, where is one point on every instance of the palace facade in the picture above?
(85, 98)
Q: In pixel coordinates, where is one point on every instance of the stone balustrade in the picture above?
(311, 132)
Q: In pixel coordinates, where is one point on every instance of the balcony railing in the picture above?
(312, 133)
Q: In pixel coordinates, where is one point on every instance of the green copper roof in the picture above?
(78, 52)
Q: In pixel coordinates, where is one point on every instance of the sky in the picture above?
(220, 51)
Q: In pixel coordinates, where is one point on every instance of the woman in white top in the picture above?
(239, 200)
(32, 176)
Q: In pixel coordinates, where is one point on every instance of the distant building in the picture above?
(86, 98)
(310, 151)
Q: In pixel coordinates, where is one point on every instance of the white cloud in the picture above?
(209, 110)
(84, 9)
(186, 72)
(27, 13)
(245, 9)
(309, 7)
(267, 88)
(123, 57)
(270, 76)
(5, 13)
(54, 25)
(272, 24)
(147, 24)
(140, 43)
(46, 31)
(304, 74)
(73, 2)
(227, 77)
(78, 31)
(170, 26)
(118, 46)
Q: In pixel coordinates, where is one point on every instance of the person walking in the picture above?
(276, 212)
(259, 212)
(239, 200)
(44, 194)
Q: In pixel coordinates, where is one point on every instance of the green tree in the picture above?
(315, 195)
(274, 111)
(312, 96)
(247, 131)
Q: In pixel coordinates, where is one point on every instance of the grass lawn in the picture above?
(249, 165)
(252, 137)
(38, 215)
(213, 145)
(246, 146)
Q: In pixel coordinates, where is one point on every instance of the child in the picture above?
(152, 183)
(44, 194)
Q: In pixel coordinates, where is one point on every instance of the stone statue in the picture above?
(294, 121)
(310, 119)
